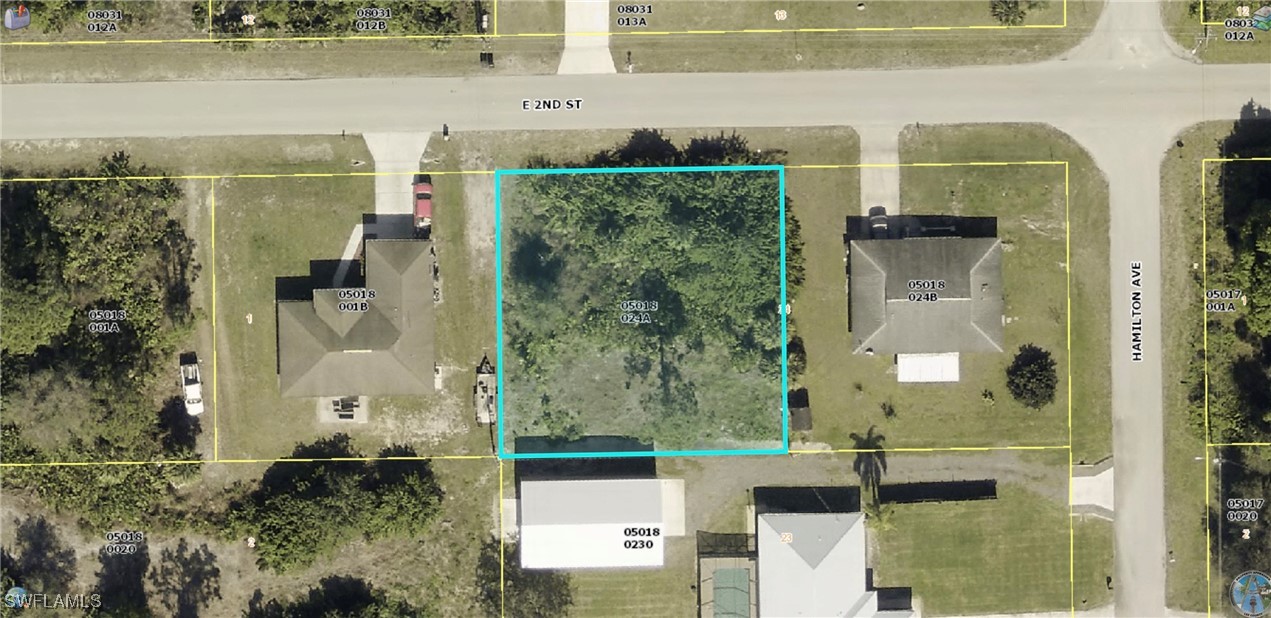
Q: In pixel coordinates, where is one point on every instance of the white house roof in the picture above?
(927, 367)
(813, 564)
(595, 523)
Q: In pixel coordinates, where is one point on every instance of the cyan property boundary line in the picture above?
(498, 308)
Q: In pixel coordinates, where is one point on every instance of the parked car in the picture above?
(423, 205)
(878, 222)
(192, 388)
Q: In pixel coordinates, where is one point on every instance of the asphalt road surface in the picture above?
(1123, 94)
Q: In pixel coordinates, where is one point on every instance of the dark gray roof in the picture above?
(966, 318)
(386, 350)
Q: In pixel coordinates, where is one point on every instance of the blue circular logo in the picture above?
(1250, 593)
(16, 597)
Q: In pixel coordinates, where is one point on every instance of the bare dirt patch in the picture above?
(478, 191)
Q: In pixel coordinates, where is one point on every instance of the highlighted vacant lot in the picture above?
(643, 305)
(1237, 224)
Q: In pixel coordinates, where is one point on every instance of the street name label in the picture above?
(539, 105)
(1136, 311)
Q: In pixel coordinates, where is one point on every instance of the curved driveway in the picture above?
(1123, 94)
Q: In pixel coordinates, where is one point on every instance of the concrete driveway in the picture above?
(586, 38)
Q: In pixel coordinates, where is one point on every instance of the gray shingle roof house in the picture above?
(813, 564)
(385, 350)
(926, 295)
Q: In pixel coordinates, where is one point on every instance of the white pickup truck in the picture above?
(192, 386)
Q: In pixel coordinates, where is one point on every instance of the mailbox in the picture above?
(17, 18)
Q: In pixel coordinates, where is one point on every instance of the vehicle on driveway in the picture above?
(878, 222)
(191, 385)
(422, 186)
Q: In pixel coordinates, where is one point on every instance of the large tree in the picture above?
(1031, 377)
(299, 511)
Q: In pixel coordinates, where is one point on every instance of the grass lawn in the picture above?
(954, 555)
(277, 60)
(1187, 30)
(1088, 219)
(980, 557)
(835, 50)
(529, 17)
(318, 215)
(1183, 318)
(692, 15)
(202, 156)
(1035, 294)
(1092, 562)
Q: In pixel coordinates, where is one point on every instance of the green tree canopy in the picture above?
(298, 512)
(1031, 377)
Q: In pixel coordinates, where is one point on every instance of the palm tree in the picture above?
(878, 515)
(871, 461)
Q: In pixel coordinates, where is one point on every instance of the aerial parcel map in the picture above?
(635, 308)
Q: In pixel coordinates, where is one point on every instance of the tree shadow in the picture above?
(1243, 183)
(45, 562)
(871, 461)
(534, 262)
(121, 582)
(506, 589)
(285, 475)
(179, 430)
(186, 580)
(335, 596)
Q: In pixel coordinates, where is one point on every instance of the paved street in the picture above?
(1123, 94)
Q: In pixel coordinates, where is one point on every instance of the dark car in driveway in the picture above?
(877, 222)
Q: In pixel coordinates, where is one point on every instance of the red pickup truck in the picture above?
(423, 205)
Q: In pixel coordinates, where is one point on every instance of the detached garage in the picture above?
(598, 523)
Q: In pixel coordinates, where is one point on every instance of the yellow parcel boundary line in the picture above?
(352, 174)
(1204, 331)
(502, 523)
(527, 35)
(1072, 533)
(494, 33)
(216, 401)
(1204, 337)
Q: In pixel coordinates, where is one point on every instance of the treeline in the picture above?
(297, 513)
(55, 16)
(309, 18)
(1239, 358)
(1218, 10)
(301, 511)
(70, 249)
(704, 246)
